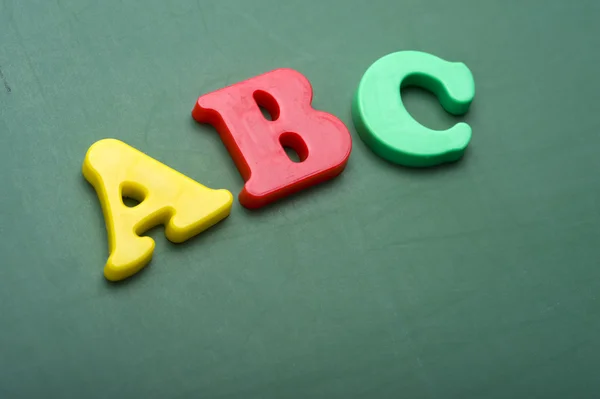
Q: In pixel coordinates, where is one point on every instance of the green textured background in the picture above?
(477, 280)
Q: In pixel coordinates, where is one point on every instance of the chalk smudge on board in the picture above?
(3, 78)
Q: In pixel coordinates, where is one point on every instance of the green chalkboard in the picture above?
(478, 279)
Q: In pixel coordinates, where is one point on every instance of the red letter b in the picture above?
(256, 144)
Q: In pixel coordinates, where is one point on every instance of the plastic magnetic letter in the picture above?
(386, 126)
(256, 143)
(165, 196)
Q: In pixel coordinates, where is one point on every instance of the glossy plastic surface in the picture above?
(389, 130)
(256, 143)
(165, 196)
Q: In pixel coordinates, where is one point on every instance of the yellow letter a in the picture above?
(166, 196)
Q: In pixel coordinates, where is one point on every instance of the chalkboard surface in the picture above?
(474, 280)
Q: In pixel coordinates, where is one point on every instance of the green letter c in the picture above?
(385, 125)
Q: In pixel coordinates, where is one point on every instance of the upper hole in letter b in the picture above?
(267, 104)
